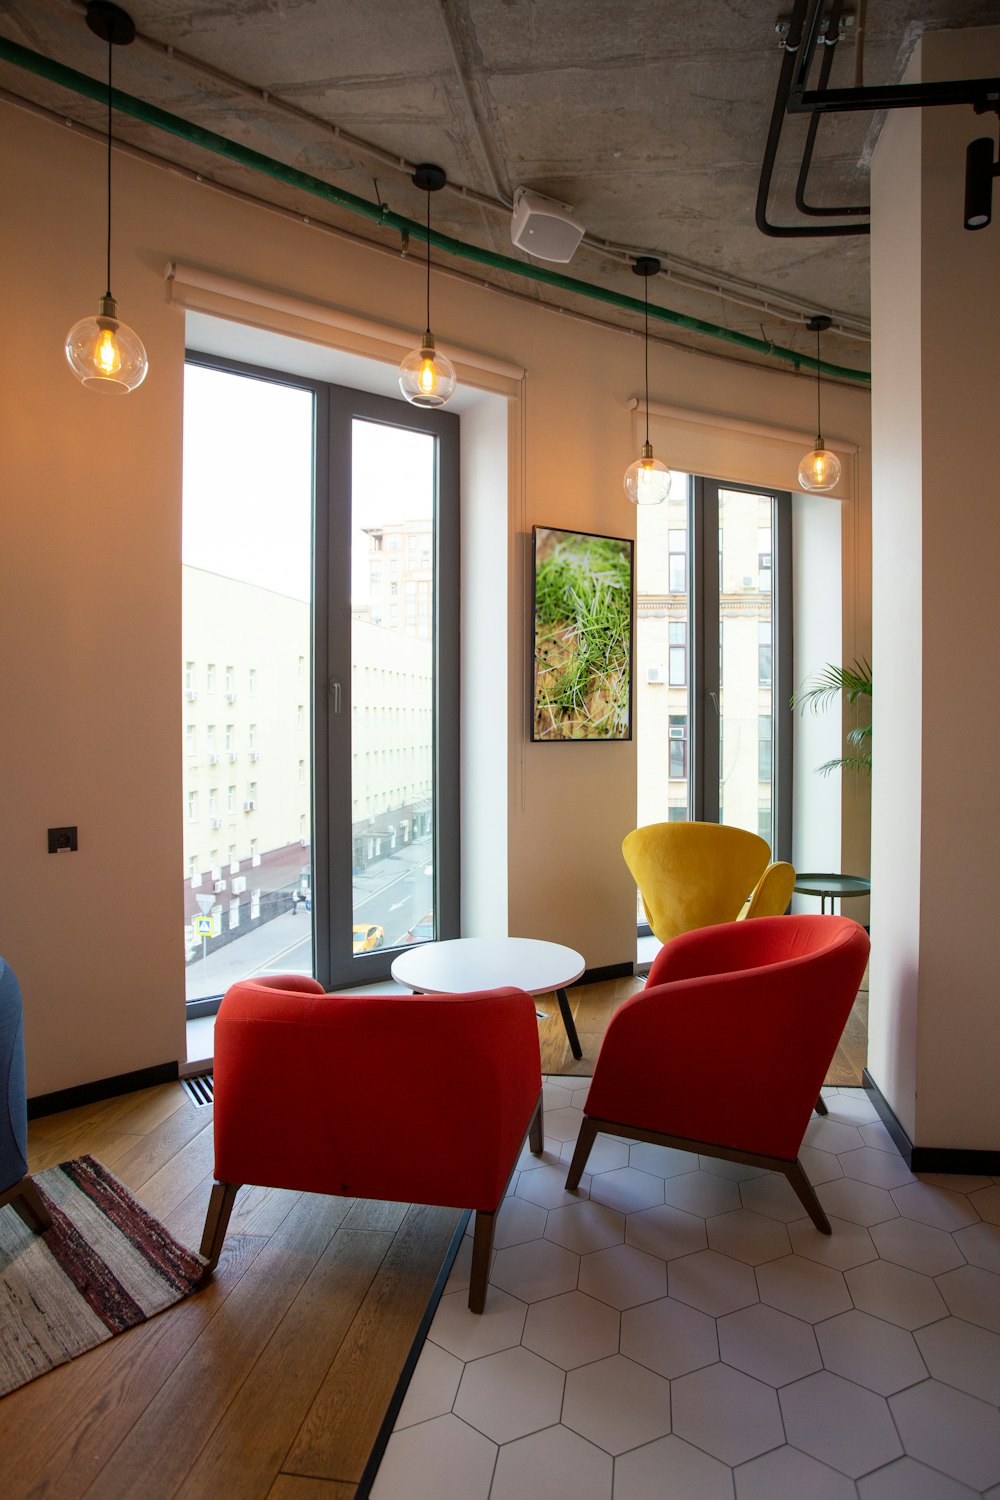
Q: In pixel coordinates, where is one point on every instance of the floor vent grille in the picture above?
(201, 1089)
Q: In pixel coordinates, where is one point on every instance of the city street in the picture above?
(395, 893)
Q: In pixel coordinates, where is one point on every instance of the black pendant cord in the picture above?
(819, 420)
(428, 323)
(645, 343)
(111, 48)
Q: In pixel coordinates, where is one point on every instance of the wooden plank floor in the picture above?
(272, 1382)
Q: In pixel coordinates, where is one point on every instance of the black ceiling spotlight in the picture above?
(980, 170)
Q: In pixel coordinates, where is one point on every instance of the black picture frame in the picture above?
(583, 616)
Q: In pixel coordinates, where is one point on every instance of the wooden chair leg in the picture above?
(820, 1106)
(26, 1201)
(587, 1136)
(482, 1252)
(807, 1196)
(220, 1206)
(536, 1133)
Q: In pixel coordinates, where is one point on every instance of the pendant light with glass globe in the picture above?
(103, 352)
(647, 481)
(820, 469)
(426, 376)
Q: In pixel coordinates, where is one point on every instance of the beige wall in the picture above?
(91, 600)
(935, 1020)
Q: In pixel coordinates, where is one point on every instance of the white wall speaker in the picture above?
(543, 228)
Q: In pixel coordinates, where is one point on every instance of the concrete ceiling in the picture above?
(648, 117)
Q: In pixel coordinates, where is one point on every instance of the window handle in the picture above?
(335, 695)
(715, 699)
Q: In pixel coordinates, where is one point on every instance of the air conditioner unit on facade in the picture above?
(216, 822)
(192, 695)
(220, 886)
(255, 755)
(249, 806)
(656, 674)
(213, 760)
(749, 581)
(230, 697)
(233, 756)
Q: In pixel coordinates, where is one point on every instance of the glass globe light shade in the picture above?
(647, 481)
(820, 469)
(427, 377)
(105, 354)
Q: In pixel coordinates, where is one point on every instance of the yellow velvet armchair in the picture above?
(698, 874)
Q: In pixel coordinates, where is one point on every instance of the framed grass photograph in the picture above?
(582, 658)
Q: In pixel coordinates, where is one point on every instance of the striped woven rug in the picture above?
(104, 1266)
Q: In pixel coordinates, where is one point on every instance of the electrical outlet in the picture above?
(62, 840)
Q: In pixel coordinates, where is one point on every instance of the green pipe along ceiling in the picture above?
(380, 214)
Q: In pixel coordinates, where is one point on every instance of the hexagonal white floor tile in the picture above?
(508, 1395)
(469, 1335)
(962, 1355)
(727, 1413)
(851, 1107)
(880, 1168)
(845, 1427)
(907, 1480)
(919, 1247)
(606, 1154)
(432, 1389)
(535, 1270)
(768, 1344)
(623, 1276)
(934, 1205)
(440, 1457)
(713, 1283)
(571, 1330)
(669, 1337)
(980, 1244)
(753, 1238)
(787, 1474)
(820, 1166)
(702, 1193)
(735, 1171)
(987, 1203)
(661, 1161)
(517, 1221)
(950, 1431)
(563, 1124)
(828, 1135)
(627, 1189)
(639, 1412)
(904, 1297)
(573, 1468)
(877, 1135)
(665, 1231)
(772, 1195)
(803, 1288)
(848, 1245)
(972, 1294)
(858, 1202)
(546, 1186)
(877, 1355)
(585, 1226)
(693, 1474)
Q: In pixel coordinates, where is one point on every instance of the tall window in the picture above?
(713, 675)
(369, 508)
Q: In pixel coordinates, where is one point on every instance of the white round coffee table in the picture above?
(459, 964)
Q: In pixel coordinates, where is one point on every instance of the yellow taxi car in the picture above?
(366, 937)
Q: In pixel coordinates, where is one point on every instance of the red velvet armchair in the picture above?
(725, 1050)
(406, 1098)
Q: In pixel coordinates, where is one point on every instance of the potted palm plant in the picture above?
(854, 682)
